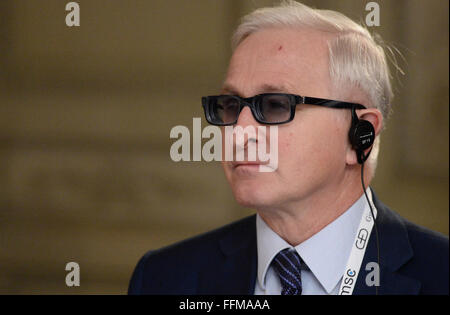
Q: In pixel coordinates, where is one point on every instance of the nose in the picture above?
(246, 118)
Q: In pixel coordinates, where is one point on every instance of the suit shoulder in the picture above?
(419, 237)
(431, 259)
(414, 251)
(186, 257)
(205, 240)
(428, 239)
(431, 248)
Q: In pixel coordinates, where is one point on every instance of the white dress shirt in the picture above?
(325, 253)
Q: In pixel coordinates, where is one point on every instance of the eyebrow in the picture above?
(265, 88)
(228, 88)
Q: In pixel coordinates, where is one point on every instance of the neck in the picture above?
(303, 218)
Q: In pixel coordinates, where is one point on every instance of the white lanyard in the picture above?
(358, 249)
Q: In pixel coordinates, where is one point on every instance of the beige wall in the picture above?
(85, 116)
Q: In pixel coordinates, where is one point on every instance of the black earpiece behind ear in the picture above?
(362, 136)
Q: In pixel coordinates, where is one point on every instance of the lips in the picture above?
(246, 166)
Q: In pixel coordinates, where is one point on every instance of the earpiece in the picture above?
(362, 136)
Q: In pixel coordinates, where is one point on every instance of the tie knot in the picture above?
(287, 264)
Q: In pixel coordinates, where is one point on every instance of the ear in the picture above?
(373, 116)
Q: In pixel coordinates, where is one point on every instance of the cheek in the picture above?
(292, 151)
(313, 148)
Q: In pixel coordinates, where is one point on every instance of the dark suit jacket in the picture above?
(413, 260)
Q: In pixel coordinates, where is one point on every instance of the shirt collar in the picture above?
(325, 253)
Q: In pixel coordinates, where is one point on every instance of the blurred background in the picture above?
(86, 112)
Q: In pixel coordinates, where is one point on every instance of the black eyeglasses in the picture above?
(267, 108)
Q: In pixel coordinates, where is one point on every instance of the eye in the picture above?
(275, 108)
(227, 108)
(276, 103)
(228, 102)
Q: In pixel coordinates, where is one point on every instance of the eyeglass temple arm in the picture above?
(330, 103)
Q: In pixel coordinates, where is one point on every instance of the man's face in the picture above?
(312, 148)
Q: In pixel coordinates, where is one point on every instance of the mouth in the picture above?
(250, 168)
(245, 164)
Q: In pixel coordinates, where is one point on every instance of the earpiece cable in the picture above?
(374, 220)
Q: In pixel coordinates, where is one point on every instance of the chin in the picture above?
(251, 188)
(253, 197)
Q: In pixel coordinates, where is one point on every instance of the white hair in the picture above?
(356, 58)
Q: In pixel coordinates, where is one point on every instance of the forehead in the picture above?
(285, 59)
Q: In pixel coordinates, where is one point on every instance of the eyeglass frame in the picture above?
(294, 101)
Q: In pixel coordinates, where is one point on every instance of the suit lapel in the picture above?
(234, 272)
(395, 251)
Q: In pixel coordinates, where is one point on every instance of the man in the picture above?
(324, 82)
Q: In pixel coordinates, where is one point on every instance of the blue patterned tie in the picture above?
(288, 264)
